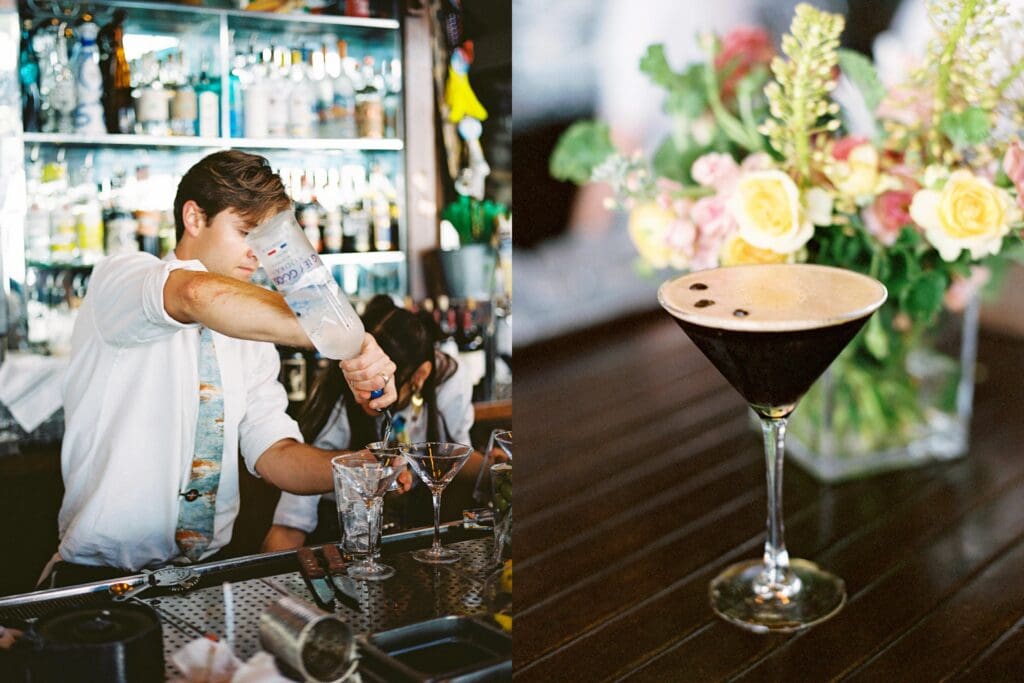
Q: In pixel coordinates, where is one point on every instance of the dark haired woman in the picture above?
(434, 404)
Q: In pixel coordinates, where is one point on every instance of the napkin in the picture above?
(30, 387)
(212, 661)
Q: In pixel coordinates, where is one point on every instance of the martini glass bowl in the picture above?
(436, 464)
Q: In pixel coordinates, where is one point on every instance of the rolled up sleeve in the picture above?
(265, 421)
(298, 512)
(127, 297)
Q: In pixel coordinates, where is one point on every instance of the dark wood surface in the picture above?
(642, 479)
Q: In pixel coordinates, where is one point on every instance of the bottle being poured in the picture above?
(297, 271)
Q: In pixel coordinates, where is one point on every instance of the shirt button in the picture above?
(191, 495)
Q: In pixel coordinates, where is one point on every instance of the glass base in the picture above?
(739, 596)
(440, 556)
(370, 571)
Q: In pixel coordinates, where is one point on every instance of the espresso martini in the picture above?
(772, 330)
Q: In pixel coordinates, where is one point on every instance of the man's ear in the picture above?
(193, 217)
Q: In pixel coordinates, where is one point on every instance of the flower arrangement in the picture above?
(805, 156)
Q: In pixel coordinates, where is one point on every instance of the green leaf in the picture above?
(674, 163)
(923, 299)
(875, 339)
(861, 72)
(656, 66)
(969, 127)
(580, 149)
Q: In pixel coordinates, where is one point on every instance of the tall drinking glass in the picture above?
(369, 479)
(437, 464)
(771, 330)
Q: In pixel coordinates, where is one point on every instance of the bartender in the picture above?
(173, 373)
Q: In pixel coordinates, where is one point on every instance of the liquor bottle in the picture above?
(357, 8)
(121, 226)
(369, 104)
(28, 77)
(184, 104)
(391, 72)
(302, 98)
(208, 100)
(308, 213)
(344, 110)
(324, 88)
(380, 213)
(236, 97)
(277, 92)
(256, 95)
(152, 103)
(118, 110)
(63, 98)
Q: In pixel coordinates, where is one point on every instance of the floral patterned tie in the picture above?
(198, 501)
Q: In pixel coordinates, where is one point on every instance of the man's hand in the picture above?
(369, 371)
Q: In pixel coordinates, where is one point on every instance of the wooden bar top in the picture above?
(642, 479)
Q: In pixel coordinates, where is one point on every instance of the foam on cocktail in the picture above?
(771, 298)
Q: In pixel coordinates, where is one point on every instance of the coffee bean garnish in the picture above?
(740, 313)
(704, 303)
(698, 286)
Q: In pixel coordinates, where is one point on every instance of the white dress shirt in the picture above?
(454, 403)
(131, 398)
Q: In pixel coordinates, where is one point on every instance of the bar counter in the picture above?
(644, 479)
(417, 593)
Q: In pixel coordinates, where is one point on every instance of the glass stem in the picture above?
(436, 547)
(776, 560)
(373, 529)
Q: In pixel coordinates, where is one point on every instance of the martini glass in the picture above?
(370, 479)
(437, 464)
(389, 454)
(772, 330)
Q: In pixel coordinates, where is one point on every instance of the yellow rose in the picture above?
(968, 213)
(736, 251)
(655, 230)
(856, 176)
(766, 205)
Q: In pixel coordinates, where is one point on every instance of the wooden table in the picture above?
(641, 479)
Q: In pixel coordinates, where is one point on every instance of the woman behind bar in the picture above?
(434, 404)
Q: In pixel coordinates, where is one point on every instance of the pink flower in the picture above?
(718, 171)
(908, 105)
(963, 289)
(758, 161)
(1013, 164)
(886, 217)
(743, 48)
(843, 146)
(715, 224)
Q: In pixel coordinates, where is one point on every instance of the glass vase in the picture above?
(912, 408)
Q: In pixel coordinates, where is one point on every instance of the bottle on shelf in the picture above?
(255, 95)
(152, 99)
(324, 87)
(121, 226)
(380, 211)
(62, 90)
(344, 109)
(391, 72)
(208, 101)
(369, 104)
(302, 98)
(118, 110)
(277, 91)
(184, 104)
(28, 77)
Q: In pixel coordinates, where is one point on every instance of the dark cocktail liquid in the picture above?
(772, 370)
(772, 330)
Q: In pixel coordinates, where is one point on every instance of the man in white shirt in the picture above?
(132, 393)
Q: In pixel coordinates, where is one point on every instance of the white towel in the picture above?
(30, 387)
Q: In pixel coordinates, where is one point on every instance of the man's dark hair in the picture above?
(231, 180)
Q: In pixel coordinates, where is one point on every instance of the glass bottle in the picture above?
(208, 100)
(28, 77)
(369, 104)
(118, 111)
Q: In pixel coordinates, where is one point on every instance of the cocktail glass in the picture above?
(772, 330)
(437, 464)
(370, 479)
(504, 439)
(390, 454)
